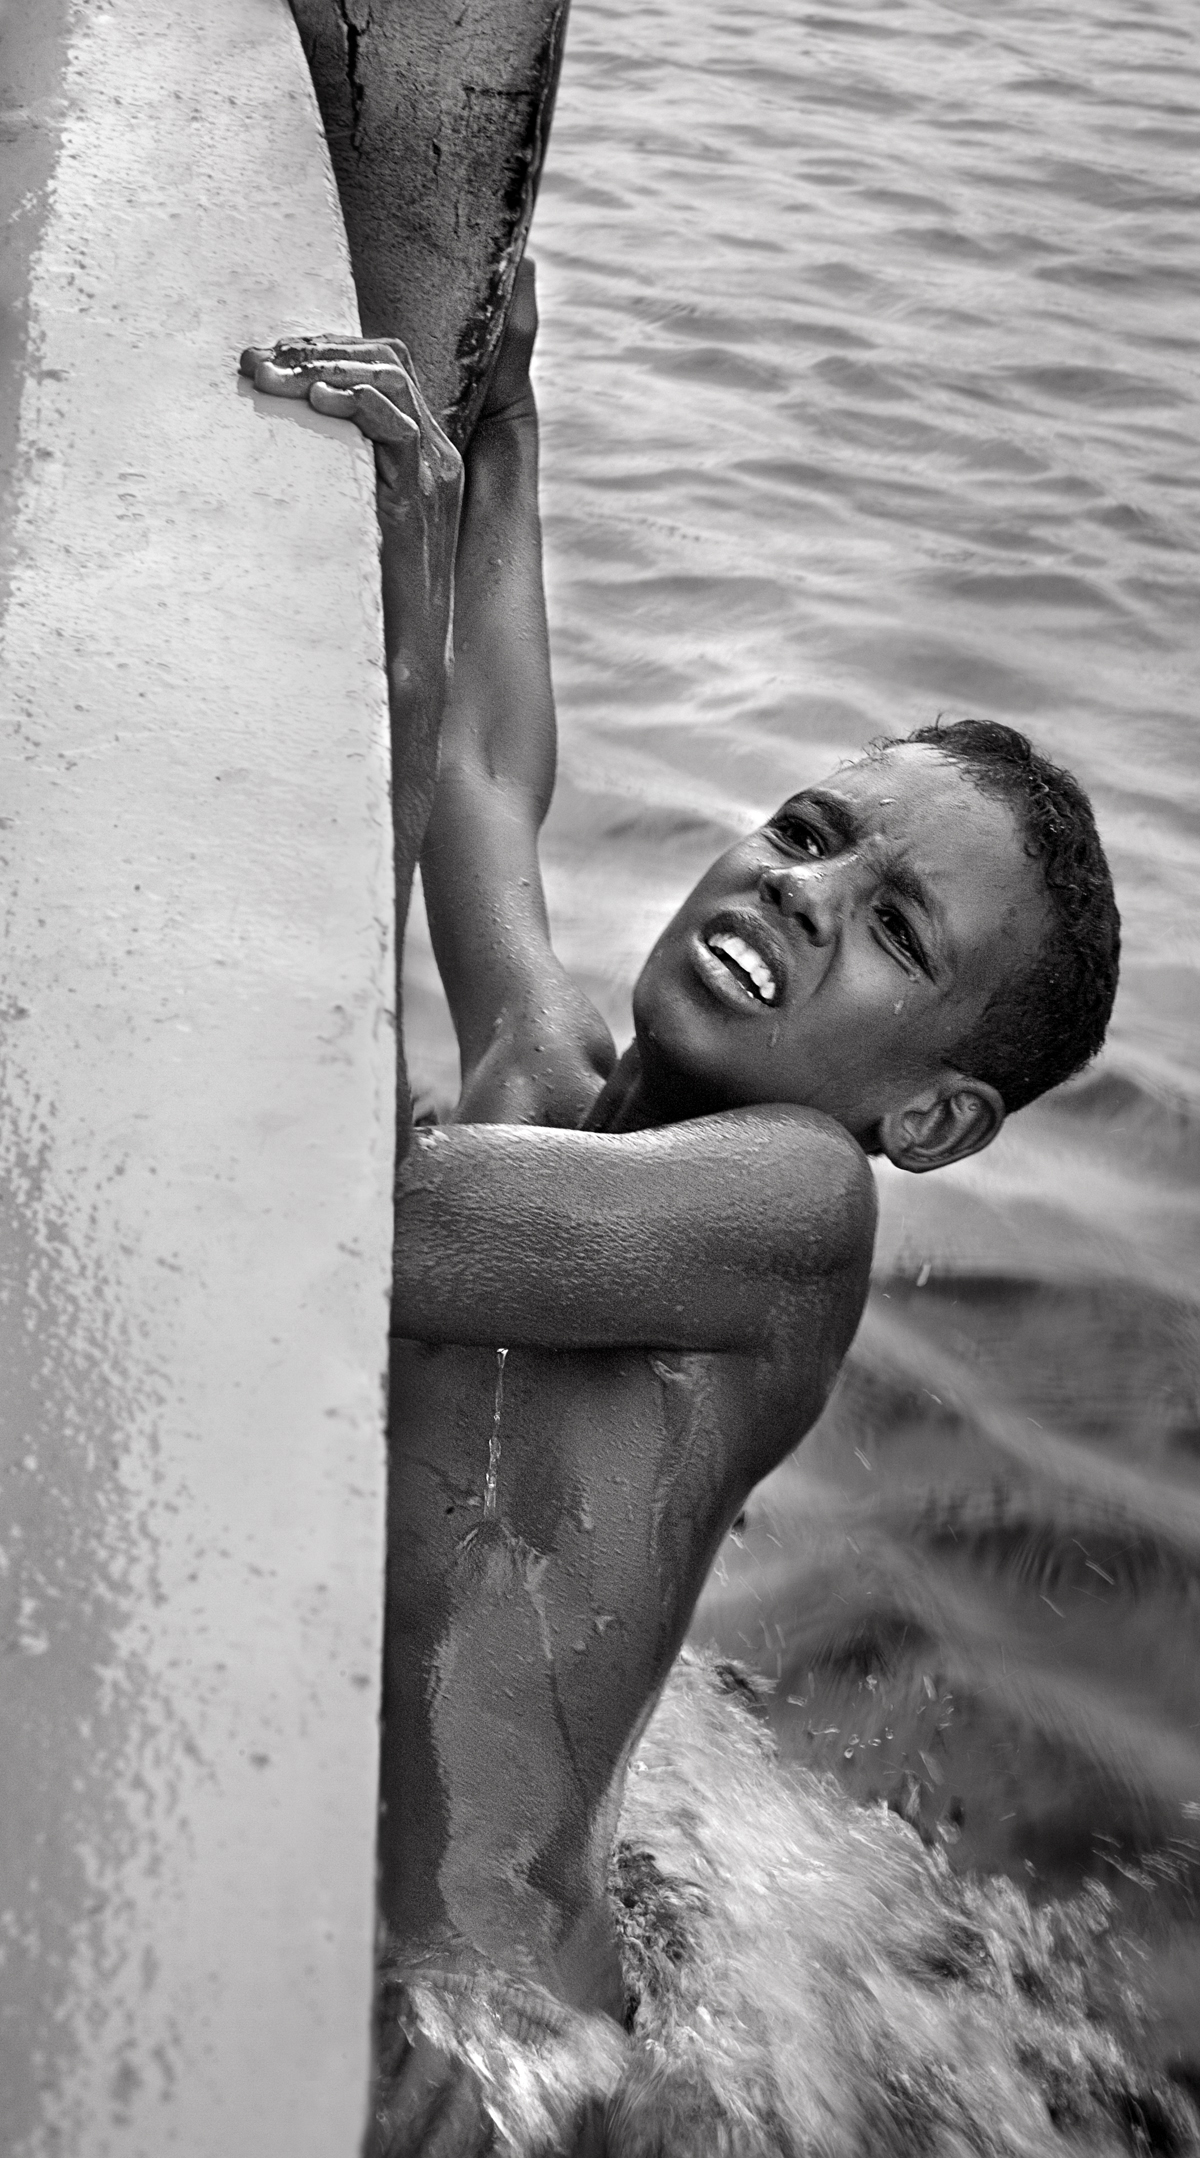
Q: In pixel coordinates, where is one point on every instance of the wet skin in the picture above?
(673, 1249)
(829, 962)
(523, 1650)
(884, 907)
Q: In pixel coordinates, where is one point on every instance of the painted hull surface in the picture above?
(196, 1121)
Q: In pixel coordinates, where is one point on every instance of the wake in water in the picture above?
(807, 1980)
(977, 1589)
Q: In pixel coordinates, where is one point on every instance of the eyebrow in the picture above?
(905, 881)
(836, 812)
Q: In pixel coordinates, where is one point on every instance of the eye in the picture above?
(899, 932)
(794, 829)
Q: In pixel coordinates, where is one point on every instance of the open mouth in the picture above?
(747, 966)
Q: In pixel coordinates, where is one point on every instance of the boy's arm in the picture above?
(722, 1233)
(419, 477)
(533, 1048)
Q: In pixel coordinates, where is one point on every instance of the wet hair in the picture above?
(1045, 1023)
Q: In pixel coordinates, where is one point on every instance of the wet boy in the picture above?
(624, 1287)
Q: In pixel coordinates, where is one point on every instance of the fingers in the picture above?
(265, 374)
(432, 2110)
(371, 383)
(336, 404)
(331, 372)
(285, 378)
(366, 383)
(314, 351)
(462, 2128)
(378, 418)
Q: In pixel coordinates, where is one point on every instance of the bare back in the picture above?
(607, 1338)
(554, 1512)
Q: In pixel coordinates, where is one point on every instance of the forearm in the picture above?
(500, 714)
(533, 1048)
(479, 864)
(418, 597)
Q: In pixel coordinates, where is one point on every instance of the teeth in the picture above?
(748, 961)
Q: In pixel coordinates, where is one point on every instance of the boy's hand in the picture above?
(498, 2065)
(374, 385)
(429, 2105)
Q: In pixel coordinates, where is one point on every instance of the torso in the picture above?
(534, 1615)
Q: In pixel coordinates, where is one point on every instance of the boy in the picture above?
(624, 1287)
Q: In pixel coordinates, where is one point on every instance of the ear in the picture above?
(938, 1128)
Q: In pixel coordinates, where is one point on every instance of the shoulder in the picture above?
(788, 1182)
(736, 1232)
(817, 1211)
(823, 1195)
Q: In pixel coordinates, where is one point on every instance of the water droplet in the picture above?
(493, 1467)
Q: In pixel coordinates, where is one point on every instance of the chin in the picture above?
(684, 1053)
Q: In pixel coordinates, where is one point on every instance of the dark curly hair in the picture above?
(1042, 1025)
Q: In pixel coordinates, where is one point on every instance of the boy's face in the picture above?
(836, 957)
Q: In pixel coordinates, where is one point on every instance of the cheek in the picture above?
(734, 874)
(643, 995)
(874, 1021)
(659, 999)
(885, 1000)
(663, 958)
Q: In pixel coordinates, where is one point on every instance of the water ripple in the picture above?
(870, 374)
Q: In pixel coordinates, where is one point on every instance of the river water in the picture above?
(870, 379)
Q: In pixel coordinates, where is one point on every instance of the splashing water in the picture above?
(866, 393)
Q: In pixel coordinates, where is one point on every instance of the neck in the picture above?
(636, 1097)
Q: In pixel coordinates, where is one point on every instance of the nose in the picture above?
(807, 893)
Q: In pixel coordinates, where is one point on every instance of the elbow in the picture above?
(414, 1313)
(858, 1204)
(837, 1204)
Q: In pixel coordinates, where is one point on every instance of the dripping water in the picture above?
(493, 1467)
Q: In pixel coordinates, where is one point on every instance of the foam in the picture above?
(807, 1978)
